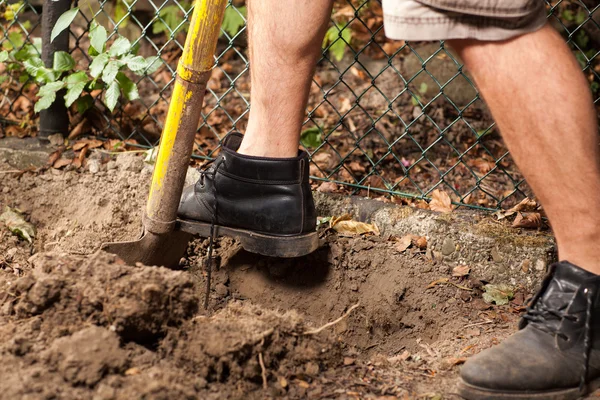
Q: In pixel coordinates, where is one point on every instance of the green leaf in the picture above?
(338, 37)
(15, 223)
(3, 56)
(84, 103)
(233, 20)
(153, 63)
(128, 87)
(170, 20)
(112, 95)
(119, 47)
(77, 77)
(63, 22)
(28, 51)
(3, 78)
(45, 75)
(136, 64)
(63, 61)
(110, 72)
(98, 64)
(73, 93)
(311, 137)
(32, 65)
(423, 88)
(499, 294)
(44, 102)
(98, 37)
(49, 88)
(15, 41)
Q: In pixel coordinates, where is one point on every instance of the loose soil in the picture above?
(78, 323)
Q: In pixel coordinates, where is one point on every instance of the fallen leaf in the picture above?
(15, 223)
(327, 187)
(527, 221)
(54, 156)
(349, 361)
(499, 294)
(404, 243)
(344, 225)
(421, 242)
(440, 201)
(61, 162)
(437, 282)
(460, 271)
(526, 204)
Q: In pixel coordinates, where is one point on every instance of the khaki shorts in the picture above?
(461, 19)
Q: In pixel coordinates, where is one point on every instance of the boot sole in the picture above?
(285, 246)
(471, 392)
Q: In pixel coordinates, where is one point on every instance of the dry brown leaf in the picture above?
(404, 243)
(437, 282)
(61, 162)
(525, 205)
(528, 221)
(78, 161)
(78, 130)
(460, 271)
(327, 187)
(440, 201)
(344, 225)
(421, 242)
(54, 156)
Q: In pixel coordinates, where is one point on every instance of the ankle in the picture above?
(268, 148)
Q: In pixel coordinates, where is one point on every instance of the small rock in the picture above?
(540, 265)
(311, 368)
(56, 140)
(349, 361)
(496, 255)
(93, 166)
(354, 287)
(5, 189)
(525, 265)
(221, 290)
(111, 165)
(448, 247)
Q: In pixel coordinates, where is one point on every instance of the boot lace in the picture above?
(206, 171)
(540, 314)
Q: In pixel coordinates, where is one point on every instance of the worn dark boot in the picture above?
(265, 203)
(556, 352)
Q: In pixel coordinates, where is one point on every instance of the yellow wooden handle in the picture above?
(177, 138)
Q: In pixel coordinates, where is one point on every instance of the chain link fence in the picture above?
(385, 118)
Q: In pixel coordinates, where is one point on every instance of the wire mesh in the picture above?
(384, 117)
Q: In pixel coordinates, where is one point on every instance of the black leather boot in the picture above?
(265, 203)
(556, 352)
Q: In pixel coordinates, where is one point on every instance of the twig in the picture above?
(329, 324)
(11, 171)
(489, 321)
(263, 369)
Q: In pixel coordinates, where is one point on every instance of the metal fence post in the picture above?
(54, 119)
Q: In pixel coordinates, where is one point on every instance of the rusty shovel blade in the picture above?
(164, 249)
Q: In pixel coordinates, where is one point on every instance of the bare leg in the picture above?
(285, 38)
(542, 104)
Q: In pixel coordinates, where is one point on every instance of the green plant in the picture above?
(106, 71)
(338, 39)
(171, 20)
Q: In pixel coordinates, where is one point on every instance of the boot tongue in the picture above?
(233, 140)
(566, 280)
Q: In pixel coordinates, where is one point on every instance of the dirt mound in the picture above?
(77, 327)
(79, 324)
